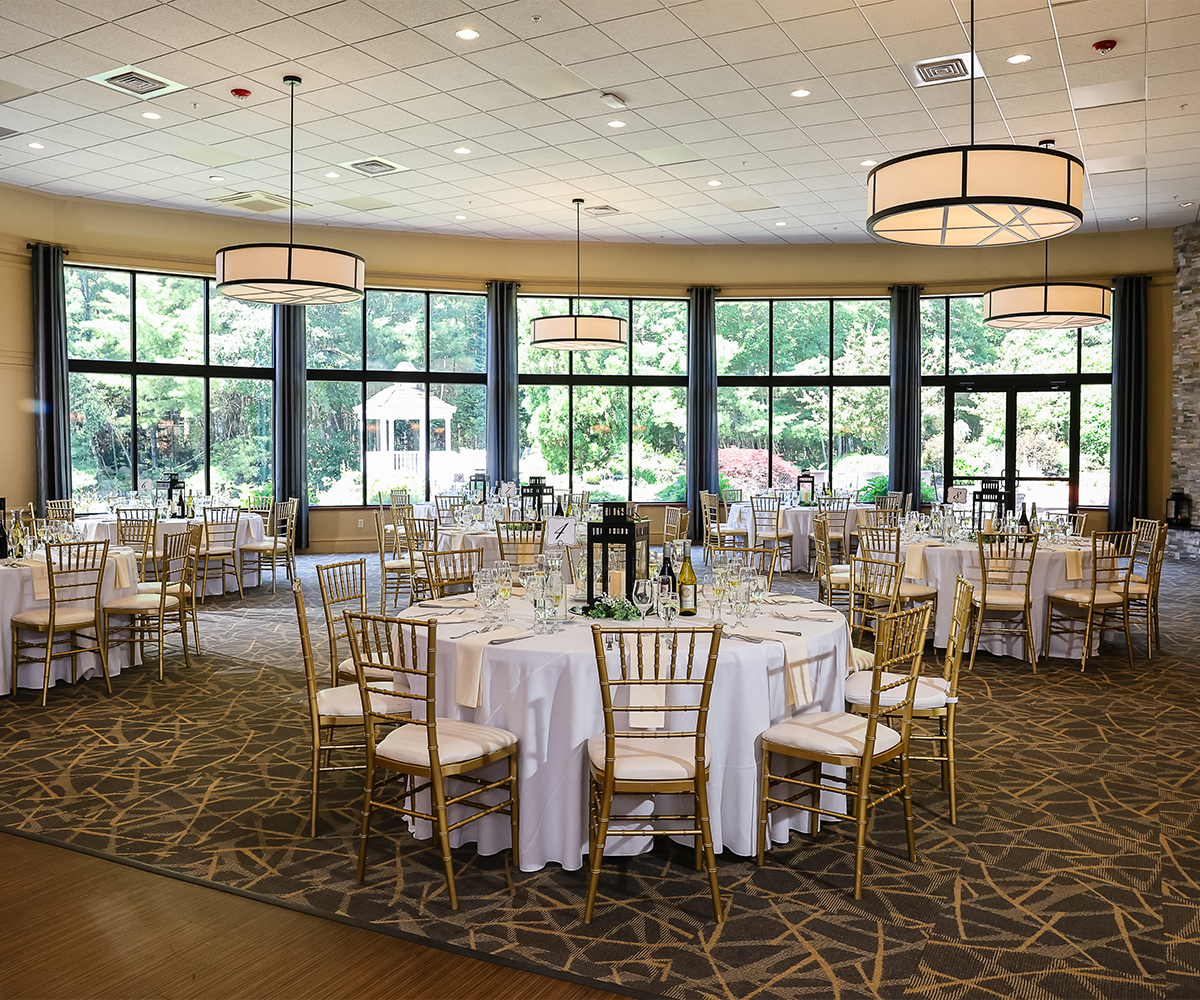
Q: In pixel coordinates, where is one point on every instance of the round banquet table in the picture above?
(939, 566)
(545, 689)
(797, 520)
(17, 594)
(457, 538)
(250, 529)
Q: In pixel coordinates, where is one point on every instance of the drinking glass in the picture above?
(710, 594)
(536, 590)
(758, 588)
(554, 596)
(504, 584)
(668, 605)
(642, 596)
(740, 601)
(484, 583)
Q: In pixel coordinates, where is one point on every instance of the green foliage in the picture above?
(615, 608)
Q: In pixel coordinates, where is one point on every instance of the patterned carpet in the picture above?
(1074, 870)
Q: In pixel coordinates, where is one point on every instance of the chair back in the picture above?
(448, 507)
(960, 633)
(221, 527)
(874, 591)
(74, 571)
(822, 570)
(177, 555)
(670, 524)
(838, 509)
(879, 542)
(761, 560)
(898, 644)
(888, 517)
(136, 527)
(1112, 561)
(343, 587)
(731, 496)
(310, 667)
(1147, 530)
(420, 535)
(60, 510)
(453, 571)
(766, 513)
(1006, 562)
(520, 541)
(709, 506)
(387, 546)
(401, 498)
(639, 678)
(890, 501)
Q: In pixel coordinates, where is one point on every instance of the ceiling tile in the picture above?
(763, 41)
(290, 38)
(351, 21)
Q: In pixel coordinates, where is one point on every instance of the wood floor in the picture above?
(77, 926)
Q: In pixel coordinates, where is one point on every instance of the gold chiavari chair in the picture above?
(670, 755)
(1084, 612)
(838, 511)
(343, 588)
(874, 592)
(670, 524)
(767, 528)
(180, 580)
(137, 529)
(220, 545)
(428, 752)
(331, 709)
(1006, 566)
(278, 544)
(401, 498)
(833, 582)
(60, 510)
(1144, 581)
(395, 570)
(520, 541)
(74, 572)
(880, 542)
(760, 560)
(449, 506)
(888, 517)
(1077, 523)
(715, 530)
(890, 501)
(155, 612)
(936, 696)
(847, 740)
(452, 572)
(419, 537)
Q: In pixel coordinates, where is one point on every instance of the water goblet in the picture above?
(710, 594)
(758, 588)
(668, 608)
(740, 602)
(642, 596)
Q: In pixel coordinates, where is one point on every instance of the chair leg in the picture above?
(597, 852)
(364, 833)
(906, 778)
(439, 811)
(975, 639)
(710, 859)
(514, 811)
(951, 787)
(1033, 653)
(860, 830)
(764, 791)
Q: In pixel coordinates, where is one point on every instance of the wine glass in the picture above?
(758, 588)
(555, 588)
(484, 582)
(504, 583)
(642, 596)
(740, 601)
(714, 596)
(536, 591)
(668, 608)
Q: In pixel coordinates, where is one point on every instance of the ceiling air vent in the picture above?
(256, 201)
(374, 166)
(138, 82)
(602, 210)
(6, 132)
(944, 69)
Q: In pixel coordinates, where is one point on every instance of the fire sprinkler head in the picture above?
(1105, 46)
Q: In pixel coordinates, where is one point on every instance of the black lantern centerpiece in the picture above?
(1179, 510)
(806, 487)
(171, 485)
(478, 486)
(534, 494)
(618, 552)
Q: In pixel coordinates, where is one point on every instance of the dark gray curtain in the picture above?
(51, 428)
(1127, 493)
(904, 437)
(291, 404)
(503, 439)
(702, 473)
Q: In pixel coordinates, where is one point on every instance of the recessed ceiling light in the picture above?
(150, 114)
(781, 223)
(332, 175)
(1020, 57)
(216, 178)
(1134, 218)
(616, 124)
(462, 151)
(1186, 204)
(36, 145)
(867, 163)
(460, 217)
(714, 184)
(467, 34)
(801, 93)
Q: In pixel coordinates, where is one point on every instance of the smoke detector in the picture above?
(373, 166)
(138, 82)
(1105, 46)
(256, 201)
(614, 102)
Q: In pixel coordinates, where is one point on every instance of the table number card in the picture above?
(956, 494)
(561, 530)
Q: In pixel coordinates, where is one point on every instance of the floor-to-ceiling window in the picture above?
(166, 375)
(1028, 407)
(396, 395)
(611, 422)
(802, 385)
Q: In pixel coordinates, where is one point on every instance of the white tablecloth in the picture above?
(943, 564)
(545, 689)
(16, 595)
(456, 538)
(797, 520)
(250, 529)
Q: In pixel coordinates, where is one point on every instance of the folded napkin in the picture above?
(1074, 564)
(795, 654)
(914, 559)
(469, 670)
(125, 569)
(41, 579)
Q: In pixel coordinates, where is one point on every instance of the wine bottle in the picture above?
(667, 572)
(191, 505)
(558, 511)
(1023, 521)
(3, 530)
(687, 579)
(1035, 524)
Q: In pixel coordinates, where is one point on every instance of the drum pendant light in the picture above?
(290, 273)
(1063, 305)
(975, 196)
(578, 333)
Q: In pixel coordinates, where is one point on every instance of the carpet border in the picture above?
(454, 949)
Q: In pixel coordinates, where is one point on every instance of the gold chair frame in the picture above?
(1005, 567)
(874, 593)
(767, 514)
(153, 605)
(1104, 604)
(520, 541)
(220, 543)
(279, 541)
(453, 568)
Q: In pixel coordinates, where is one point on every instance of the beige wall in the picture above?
(99, 232)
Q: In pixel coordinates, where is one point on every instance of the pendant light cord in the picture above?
(578, 266)
(292, 82)
(972, 72)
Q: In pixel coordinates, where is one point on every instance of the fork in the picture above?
(746, 638)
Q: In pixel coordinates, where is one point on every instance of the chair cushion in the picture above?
(457, 741)
(998, 597)
(64, 617)
(916, 591)
(931, 691)
(861, 659)
(839, 734)
(148, 554)
(1081, 596)
(278, 544)
(647, 759)
(399, 681)
(840, 580)
(141, 603)
(346, 702)
(153, 587)
(216, 552)
(1138, 589)
(840, 568)
(397, 564)
(774, 534)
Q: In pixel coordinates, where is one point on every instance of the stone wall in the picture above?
(1185, 378)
